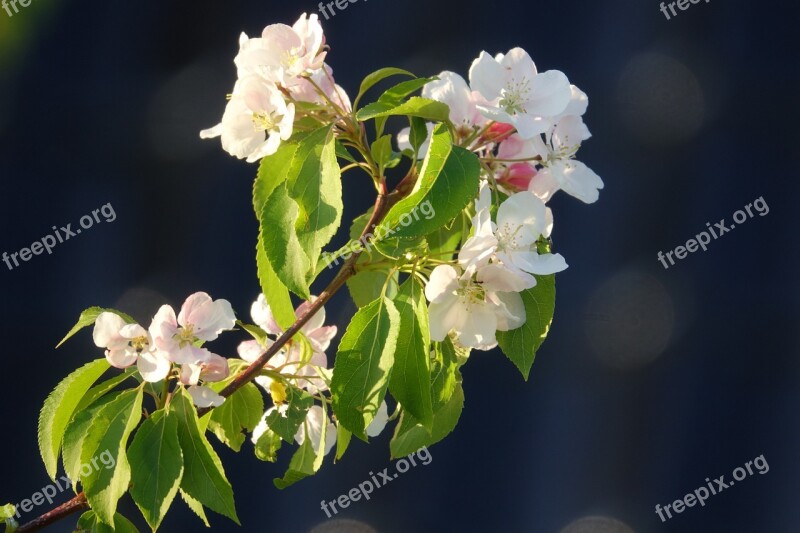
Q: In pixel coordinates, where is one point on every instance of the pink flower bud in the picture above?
(498, 132)
(517, 176)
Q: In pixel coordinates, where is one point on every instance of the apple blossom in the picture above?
(560, 169)
(471, 312)
(201, 319)
(283, 54)
(256, 120)
(127, 344)
(290, 360)
(517, 93)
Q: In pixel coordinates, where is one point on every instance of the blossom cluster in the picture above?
(526, 127)
(172, 340)
(300, 363)
(277, 73)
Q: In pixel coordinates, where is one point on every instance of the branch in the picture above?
(77, 503)
(382, 205)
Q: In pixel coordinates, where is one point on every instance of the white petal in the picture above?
(121, 357)
(543, 265)
(262, 316)
(250, 350)
(211, 133)
(509, 310)
(153, 366)
(443, 282)
(204, 397)
(487, 76)
(497, 277)
(443, 316)
(578, 180)
(106, 328)
(479, 327)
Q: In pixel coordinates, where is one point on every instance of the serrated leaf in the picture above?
(281, 244)
(267, 447)
(195, 506)
(399, 92)
(448, 182)
(108, 437)
(443, 242)
(156, 466)
(366, 286)
(240, 412)
(203, 476)
(103, 388)
(444, 372)
(89, 523)
(376, 77)
(410, 382)
(418, 133)
(59, 408)
(287, 423)
(273, 171)
(520, 345)
(300, 467)
(416, 106)
(410, 435)
(314, 182)
(343, 437)
(363, 363)
(272, 287)
(88, 317)
(76, 433)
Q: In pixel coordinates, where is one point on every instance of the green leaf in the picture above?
(366, 286)
(281, 243)
(300, 467)
(342, 440)
(315, 183)
(286, 424)
(75, 435)
(203, 476)
(106, 440)
(382, 149)
(240, 412)
(89, 523)
(376, 77)
(88, 317)
(418, 133)
(444, 372)
(410, 435)
(268, 445)
(410, 383)
(520, 345)
(273, 171)
(399, 92)
(363, 363)
(156, 466)
(443, 242)
(416, 106)
(448, 182)
(60, 406)
(195, 506)
(272, 287)
(103, 388)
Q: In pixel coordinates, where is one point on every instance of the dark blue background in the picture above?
(651, 380)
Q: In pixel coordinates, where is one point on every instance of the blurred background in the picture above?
(651, 380)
